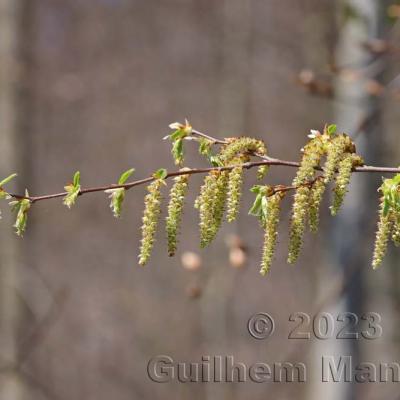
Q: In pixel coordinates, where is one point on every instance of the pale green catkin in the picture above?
(234, 193)
(238, 146)
(175, 210)
(317, 192)
(335, 152)
(150, 219)
(219, 203)
(271, 231)
(243, 147)
(342, 182)
(312, 154)
(298, 221)
(396, 230)
(262, 172)
(205, 202)
(382, 238)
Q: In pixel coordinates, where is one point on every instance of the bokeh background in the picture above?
(92, 86)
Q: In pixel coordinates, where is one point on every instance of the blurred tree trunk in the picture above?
(10, 384)
(356, 111)
(359, 111)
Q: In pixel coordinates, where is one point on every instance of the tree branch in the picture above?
(249, 165)
(266, 160)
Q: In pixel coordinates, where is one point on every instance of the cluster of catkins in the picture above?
(327, 157)
(220, 193)
(152, 212)
(389, 219)
(222, 189)
(338, 152)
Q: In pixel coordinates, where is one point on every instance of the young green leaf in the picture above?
(3, 194)
(160, 173)
(178, 134)
(125, 176)
(332, 129)
(256, 207)
(73, 190)
(77, 179)
(8, 179)
(177, 151)
(117, 197)
(71, 196)
(260, 205)
(21, 207)
(205, 147)
(180, 130)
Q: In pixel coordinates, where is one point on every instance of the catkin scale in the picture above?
(175, 210)
(150, 219)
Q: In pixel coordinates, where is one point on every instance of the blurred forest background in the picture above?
(92, 86)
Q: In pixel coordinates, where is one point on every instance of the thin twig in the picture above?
(205, 136)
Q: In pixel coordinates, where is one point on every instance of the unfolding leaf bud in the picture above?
(21, 207)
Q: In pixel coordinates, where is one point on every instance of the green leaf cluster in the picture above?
(73, 190)
(117, 195)
(21, 207)
(205, 149)
(260, 206)
(389, 219)
(180, 132)
(391, 195)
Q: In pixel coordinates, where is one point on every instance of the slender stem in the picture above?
(205, 136)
